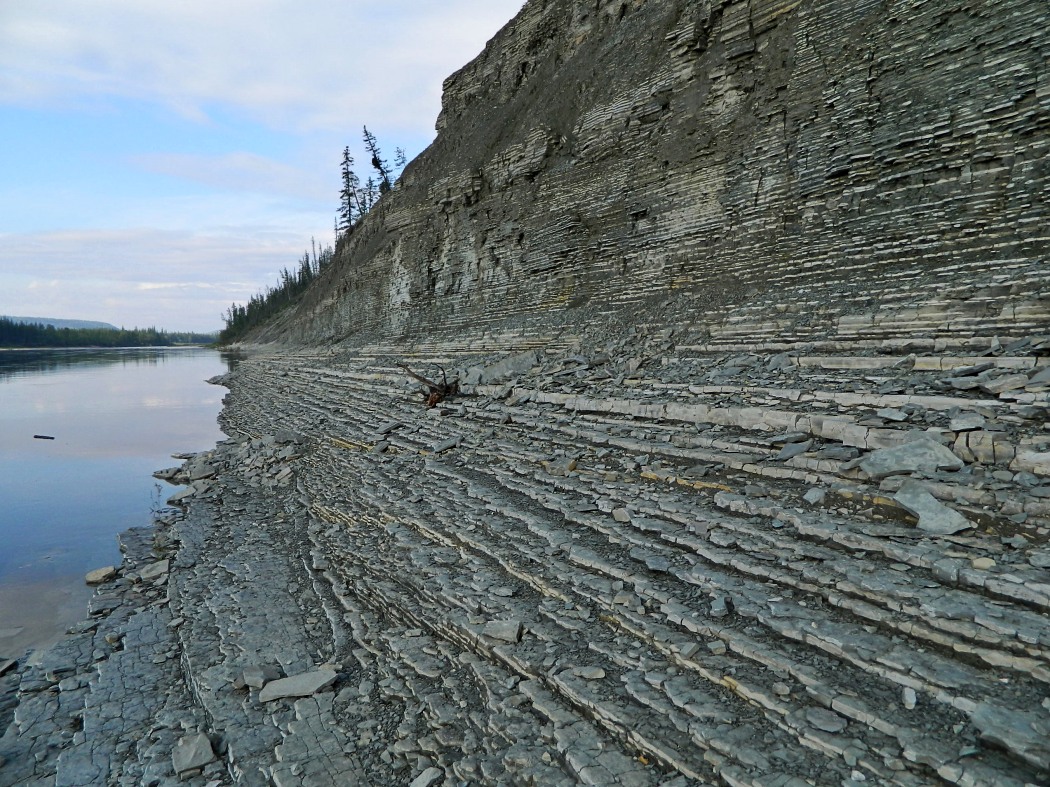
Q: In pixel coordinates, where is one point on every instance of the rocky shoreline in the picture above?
(620, 557)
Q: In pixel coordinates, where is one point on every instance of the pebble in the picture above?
(909, 697)
(589, 673)
(101, 575)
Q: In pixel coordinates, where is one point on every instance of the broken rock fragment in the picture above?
(154, 571)
(427, 778)
(258, 676)
(934, 517)
(503, 630)
(924, 455)
(192, 752)
(302, 685)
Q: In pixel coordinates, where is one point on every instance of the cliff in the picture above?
(597, 153)
(747, 481)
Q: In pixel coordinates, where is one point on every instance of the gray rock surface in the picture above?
(302, 685)
(934, 517)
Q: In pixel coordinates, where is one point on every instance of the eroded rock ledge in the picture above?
(662, 555)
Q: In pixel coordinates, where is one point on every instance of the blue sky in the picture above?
(159, 161)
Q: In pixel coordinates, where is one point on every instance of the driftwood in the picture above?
(435, 392)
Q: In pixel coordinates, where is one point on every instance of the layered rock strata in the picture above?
(600, 153)
(748, 482)
(657, 555)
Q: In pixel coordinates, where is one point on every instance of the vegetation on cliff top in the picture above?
(241, 318)
(356, 199)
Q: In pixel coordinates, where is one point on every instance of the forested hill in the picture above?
(16, 334)
(59, 323)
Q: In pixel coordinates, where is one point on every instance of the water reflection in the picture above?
(20, 363)
(116, 416)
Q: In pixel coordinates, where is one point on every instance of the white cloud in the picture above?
(173, 280)
(326, 64)
(239, 171)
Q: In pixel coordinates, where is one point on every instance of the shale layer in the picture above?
(597, 153)
(650, 555)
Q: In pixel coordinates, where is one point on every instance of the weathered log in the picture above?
(435, 392)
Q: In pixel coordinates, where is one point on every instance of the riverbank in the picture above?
(637, 556)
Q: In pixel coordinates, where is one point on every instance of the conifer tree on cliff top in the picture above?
(357, 198)
(351, 206)
(377, 161)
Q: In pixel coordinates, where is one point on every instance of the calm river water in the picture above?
(116, 416)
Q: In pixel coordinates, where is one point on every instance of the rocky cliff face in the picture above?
(787, 524)
(600, 152)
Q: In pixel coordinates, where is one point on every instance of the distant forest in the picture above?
(16, 334)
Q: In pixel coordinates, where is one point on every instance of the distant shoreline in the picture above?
(104, 347)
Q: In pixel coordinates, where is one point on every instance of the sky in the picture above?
(161, 160)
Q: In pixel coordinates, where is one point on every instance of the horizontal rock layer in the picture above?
(748, 478)
(632, 556)
(597, 154)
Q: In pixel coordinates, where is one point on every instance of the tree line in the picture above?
(356, 198)
(241, 318)
(17, 334)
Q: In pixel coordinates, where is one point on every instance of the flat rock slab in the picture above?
(389, 427)
(503, 630)
(100, 575)
(302, 685)
(967, 422)
(428, 777)
(792, 450)
(934, 517)
(1022, 732)
(154, 571)
(192, 752)
(447, 444)
(1005, 383)
(825, 720)
(922, 455)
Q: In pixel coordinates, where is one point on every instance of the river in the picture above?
(116, 416)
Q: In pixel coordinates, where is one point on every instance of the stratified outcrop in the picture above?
(596, 153)
(747, 479)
